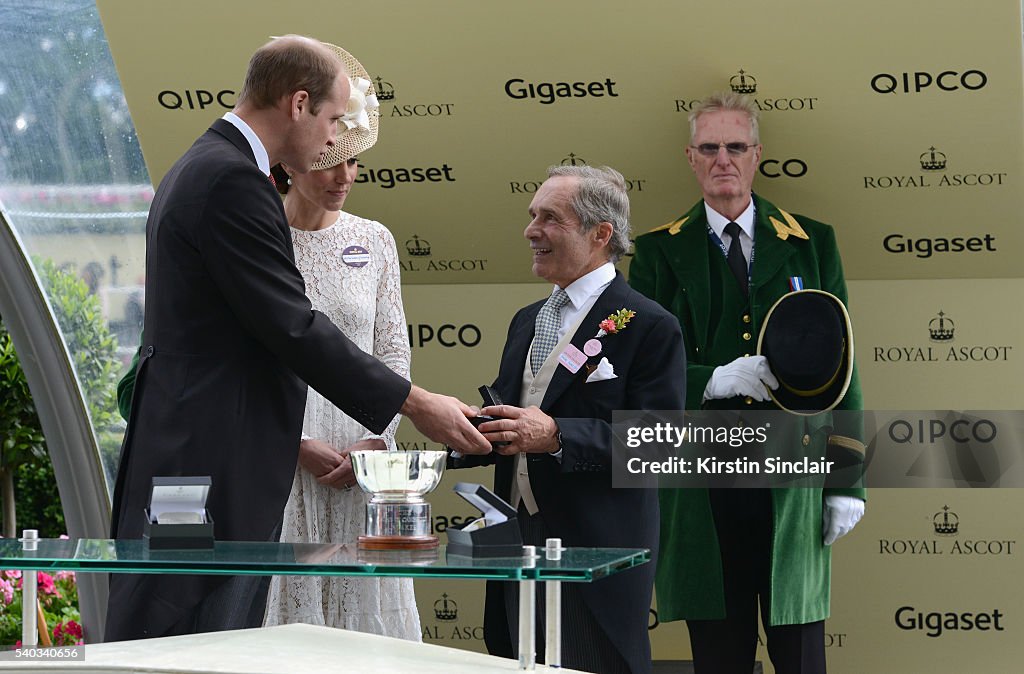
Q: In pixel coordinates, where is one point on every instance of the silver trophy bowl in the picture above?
(397, 516)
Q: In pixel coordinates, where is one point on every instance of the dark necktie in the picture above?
(737, 263)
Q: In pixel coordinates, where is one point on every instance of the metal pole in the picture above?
(29, 633)
(528, 613)
(553, 608)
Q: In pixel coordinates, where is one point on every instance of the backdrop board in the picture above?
(898, 123)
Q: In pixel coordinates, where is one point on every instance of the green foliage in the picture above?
(21, 438)
(23, 455)
(38, 501)
(92, 346)
(93, 350)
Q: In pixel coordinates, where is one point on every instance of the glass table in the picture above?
(551, 565)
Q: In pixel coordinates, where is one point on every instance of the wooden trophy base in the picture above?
(398, 542)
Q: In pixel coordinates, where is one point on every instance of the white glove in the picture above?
(745, 376)
(840, 516)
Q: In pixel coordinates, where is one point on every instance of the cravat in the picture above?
(545, 335)
(737, 263)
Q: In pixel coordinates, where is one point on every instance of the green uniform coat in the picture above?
(678, 266)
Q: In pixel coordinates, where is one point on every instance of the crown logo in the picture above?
(933, 161)
(573, 160)
(946, 523)
(417, 247)
(742, 83)
(941, 329)
(385, 92)
(446, 609)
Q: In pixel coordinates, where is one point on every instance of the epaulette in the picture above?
(672, 227)
(789, 228)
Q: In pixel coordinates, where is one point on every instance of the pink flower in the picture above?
(8, 590)
(65, 575)
(12, 573)
(67, 634)
(615, 323)
(46, 585)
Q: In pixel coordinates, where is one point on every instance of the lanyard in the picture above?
(725, 251)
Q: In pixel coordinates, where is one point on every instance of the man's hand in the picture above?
(840, 516)
(329, 466)
(445, 419)
(525, 429)
(745, 376)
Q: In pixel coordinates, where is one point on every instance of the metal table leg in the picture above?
(553, 608)
(528, 613)
(29, 631)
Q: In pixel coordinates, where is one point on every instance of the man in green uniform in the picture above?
(719, 269)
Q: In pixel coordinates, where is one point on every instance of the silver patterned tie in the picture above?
(545, 335)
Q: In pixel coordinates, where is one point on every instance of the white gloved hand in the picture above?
(840, 516)
(745, 376)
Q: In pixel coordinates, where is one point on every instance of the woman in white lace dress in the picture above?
(351, 270)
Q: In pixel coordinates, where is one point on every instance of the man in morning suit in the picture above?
(719, 268)
(564, 382)
(230, 339)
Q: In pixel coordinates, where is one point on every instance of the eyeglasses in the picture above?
(711, 149)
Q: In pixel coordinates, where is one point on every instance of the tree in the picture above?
(92, 346)
(21, 438)
(23, 455)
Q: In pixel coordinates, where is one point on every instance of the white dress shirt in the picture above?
(583, 293)
(260, 152)
(717, 221)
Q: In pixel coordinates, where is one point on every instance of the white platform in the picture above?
(303, 649)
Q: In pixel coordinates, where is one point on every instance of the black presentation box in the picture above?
(178, 495)
(497, 536)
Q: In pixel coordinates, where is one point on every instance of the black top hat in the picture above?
(807, 340)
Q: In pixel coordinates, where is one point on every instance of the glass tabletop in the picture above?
(305, 559)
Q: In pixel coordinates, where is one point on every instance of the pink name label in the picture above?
(572, 359)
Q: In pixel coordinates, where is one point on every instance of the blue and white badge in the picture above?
(355, 256)
(796, 283)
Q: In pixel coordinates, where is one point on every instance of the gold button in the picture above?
(746, 318)
(748, 400)
(746, 336)
(746, 355)
(806, 440)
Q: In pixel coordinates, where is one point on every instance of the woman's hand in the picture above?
(331, 467)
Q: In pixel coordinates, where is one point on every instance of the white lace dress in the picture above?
(352, 275)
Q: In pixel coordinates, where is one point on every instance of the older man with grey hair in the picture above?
(592, 346)
(727, 554)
